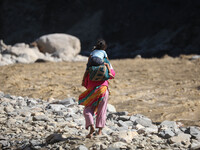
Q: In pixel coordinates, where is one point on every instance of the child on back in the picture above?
(96, 58)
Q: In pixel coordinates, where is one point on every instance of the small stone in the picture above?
(126, 136)
(9, 108)
(60, 148)
(152, 129)
(81, 147)
(37, 113)
(111, 108)
(180, 138)
(54, 138)
(129, 123)
(67, 101)
(122, 113)
(143, 121)
(4, 143)
(56, 107)
(122, 124)
(11, 121)
(167, 133)
(35, 142)
(124, 118)
(40, 118)
(117, 145)
(156, 139)
(99, 145)
(195, 145)
(31, 102)
(139, 126)
(194, 131)
(72, 142)
(170, 125)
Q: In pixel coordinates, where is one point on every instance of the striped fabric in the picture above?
(99, 73)
(92, 97)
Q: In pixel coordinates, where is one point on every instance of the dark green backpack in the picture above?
(99, 73)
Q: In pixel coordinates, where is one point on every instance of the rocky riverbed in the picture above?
(161, 89)
(29, 123)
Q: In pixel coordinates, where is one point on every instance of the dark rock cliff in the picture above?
(150, 28)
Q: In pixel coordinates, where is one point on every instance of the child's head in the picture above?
(101, 44)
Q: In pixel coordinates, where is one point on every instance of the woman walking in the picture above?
(95, 99)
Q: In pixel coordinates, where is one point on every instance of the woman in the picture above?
(95, 100)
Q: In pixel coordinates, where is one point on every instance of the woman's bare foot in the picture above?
(99, 132)
(91, 132)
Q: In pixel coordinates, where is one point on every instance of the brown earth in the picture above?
(162, 89)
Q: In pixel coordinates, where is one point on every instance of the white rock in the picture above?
(195, 145)
(21, 45)
(56, 107)
(63, 46)
(111, 108)
(8, 108)
(195, 57)
(118, 145)
(26, 54)
(126, 136)
(81, 147)
(180, 138)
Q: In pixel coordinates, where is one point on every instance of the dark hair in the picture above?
(101, 44)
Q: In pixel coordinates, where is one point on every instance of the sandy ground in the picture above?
(162, 89)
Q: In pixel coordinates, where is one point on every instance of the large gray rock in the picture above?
(60, 45)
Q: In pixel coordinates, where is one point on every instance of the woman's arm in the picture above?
(86, 73)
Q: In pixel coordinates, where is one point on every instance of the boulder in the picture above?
(60, 45)
(25, 54)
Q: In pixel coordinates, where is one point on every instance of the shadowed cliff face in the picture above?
(150, 28)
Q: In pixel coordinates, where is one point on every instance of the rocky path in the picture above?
(28, 123)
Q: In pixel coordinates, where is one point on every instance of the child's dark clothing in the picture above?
(95, 61)
(96, 58)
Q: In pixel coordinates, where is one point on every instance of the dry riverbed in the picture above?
(161, 89)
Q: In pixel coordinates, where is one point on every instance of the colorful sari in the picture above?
(93, 96)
